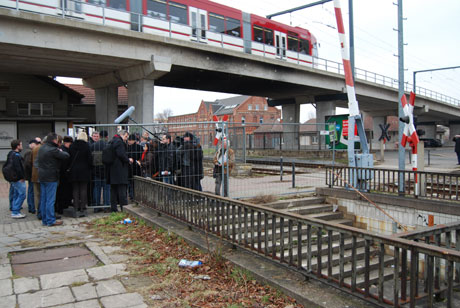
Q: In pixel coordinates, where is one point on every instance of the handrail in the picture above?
(318, 63)
(296, 241)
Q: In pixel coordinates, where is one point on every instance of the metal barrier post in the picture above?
(429, 158)
(63, 8)
(17, 5)
(293, 174)
(244, 144)
(281, 168)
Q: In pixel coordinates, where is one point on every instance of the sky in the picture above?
(430, 32)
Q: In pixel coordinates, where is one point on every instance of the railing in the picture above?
(297, 242)
(319, 63)
(432, 185)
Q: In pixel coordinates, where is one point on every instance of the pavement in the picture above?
(103, 285)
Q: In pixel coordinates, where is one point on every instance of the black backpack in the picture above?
(9, 173)
(108, 154)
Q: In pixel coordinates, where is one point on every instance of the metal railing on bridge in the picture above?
(432, 185)
(375, 267)
(100, 14)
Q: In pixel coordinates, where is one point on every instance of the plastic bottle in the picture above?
(187, 263)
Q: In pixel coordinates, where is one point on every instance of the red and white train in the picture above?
(197, 20)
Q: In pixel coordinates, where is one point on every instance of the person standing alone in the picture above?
(19, 184)
(457, 147)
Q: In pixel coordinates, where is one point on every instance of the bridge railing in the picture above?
(431, 185)
(306, 245)
(76, 9)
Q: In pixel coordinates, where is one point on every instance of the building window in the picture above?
(265, 107)
(249, 107)
(243, 120)
(257, 107)
(261, 120)
(35, 109)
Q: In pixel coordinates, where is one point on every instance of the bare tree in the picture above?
(163, 116)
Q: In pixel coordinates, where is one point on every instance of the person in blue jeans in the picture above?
(27, 156)
(50, 157)
(18, 187)
(99, 172)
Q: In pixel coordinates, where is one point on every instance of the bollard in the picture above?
(281, 168)
(293, 174)
(429, 158)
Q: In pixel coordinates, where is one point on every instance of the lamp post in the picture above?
(432, 70)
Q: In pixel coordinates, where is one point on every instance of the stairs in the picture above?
(318, 208)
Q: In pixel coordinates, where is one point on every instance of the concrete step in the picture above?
(310, 209)
(327, 216)
(283, 204)
(343, 221)
(388, 273)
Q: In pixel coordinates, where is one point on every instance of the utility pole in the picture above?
(432, 70)
(401, 150)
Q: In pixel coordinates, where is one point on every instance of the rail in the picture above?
(74, 9)
(431, 185)
(304, 244)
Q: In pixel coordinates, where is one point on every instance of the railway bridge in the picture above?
(106, 57)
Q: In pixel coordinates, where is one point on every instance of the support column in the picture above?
(429, 128)
(106, 104)
(323, 109)
(140, 95)
(377, 132)
(291, 114)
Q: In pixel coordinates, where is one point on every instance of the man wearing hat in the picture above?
(134, 151)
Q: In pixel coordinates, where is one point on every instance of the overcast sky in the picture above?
(431, 32)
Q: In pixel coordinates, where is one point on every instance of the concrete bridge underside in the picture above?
(107, 57)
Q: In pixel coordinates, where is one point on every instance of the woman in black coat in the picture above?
(81, 162)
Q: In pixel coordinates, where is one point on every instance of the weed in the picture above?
(241, 276)
(77, 284)
(235, 306)
(266, 299)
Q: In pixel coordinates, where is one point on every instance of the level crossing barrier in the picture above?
(384, 270)
(120, 18)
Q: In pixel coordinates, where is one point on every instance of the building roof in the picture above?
(90, 94)
(59, 85)
(227, 105)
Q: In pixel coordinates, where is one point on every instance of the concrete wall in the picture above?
(409, 212)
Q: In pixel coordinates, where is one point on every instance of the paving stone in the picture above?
(123, 300)
(6, 287)
(46, 298)
(8, 240)
(109, 287)
(56, 280)
(84, 292)
(109, 249)
(8, 301)
(5, 271)
(97, 250)
(117, 258)
(107, 271)
(86, 304)
(23, 285)
(25, 236)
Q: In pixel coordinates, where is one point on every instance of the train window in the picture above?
(258, 34)
(97, 2)
(233, 27)
(304, 47)
(157, 9)
(216, 23)
(293, 43)
(117, 4)
(268, 37)
(178, 13)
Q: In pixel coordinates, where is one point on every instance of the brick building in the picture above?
(249, 111)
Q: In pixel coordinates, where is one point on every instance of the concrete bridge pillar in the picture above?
(323, 109)
(140, 95)
(429, 128)
(106, 104)
(291, 114)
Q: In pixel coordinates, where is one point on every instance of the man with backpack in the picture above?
(13, 171)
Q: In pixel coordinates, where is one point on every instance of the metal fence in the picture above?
(273, 175)
(100, 14)
(432, 185)
(385, 270)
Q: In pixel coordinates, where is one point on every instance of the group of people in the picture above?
(62, 172)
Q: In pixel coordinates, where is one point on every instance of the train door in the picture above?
(136, 15)
(280, 43)
(199, 23)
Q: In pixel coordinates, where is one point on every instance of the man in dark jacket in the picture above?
(27, 156)
(64, 190)
(19, 186)
(457, 147)
(117, 175)
(99, 180)
(166, 159)
(49, 161)
(191, 156)
(134, 152)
